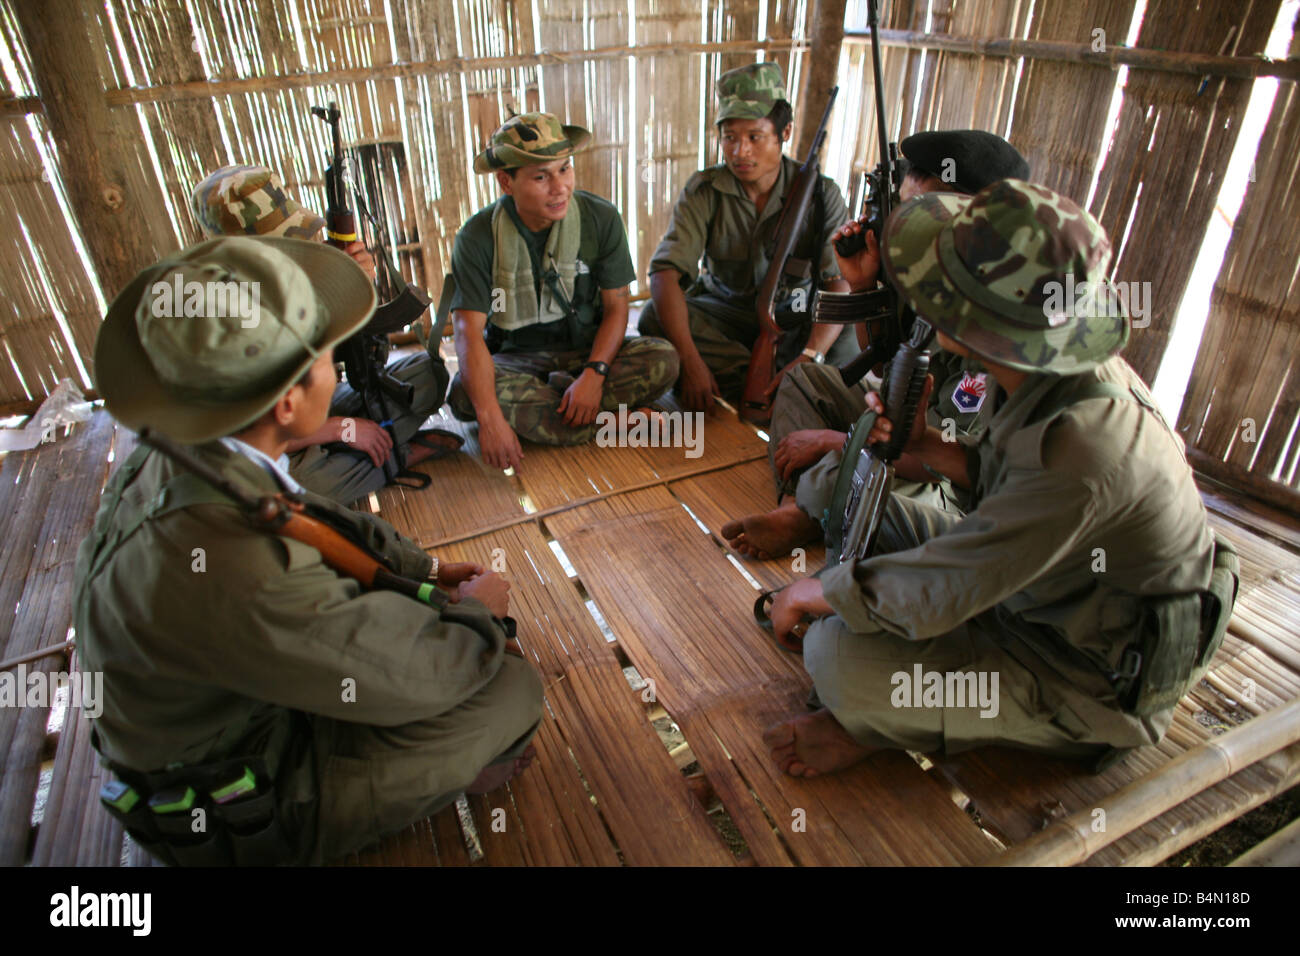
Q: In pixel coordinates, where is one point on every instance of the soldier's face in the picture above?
(751, 148)
(541, 193)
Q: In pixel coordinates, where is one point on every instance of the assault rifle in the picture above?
(365, 353)
(879, 309)
(756, 402)
(290, 517)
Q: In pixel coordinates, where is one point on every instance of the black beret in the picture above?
(978, 158)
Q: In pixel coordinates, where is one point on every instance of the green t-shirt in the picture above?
(602, 248)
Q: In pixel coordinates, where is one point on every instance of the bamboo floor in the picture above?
(636, 616)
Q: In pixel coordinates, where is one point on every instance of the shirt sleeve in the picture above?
(471, 267)
(613, 267)
(311, 640)
(1035, 519)
(683, 244)
(837, 214)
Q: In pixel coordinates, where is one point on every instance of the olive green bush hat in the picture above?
(997, 271)
(749, 92)
(530, 139)
(204, 342)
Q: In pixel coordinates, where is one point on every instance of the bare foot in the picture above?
(773, 534)
(810, 744)
(420, 452)
(499, 774)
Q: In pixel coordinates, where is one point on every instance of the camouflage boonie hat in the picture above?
(997, 272)
(249, 200)
(749, 92)
(530, 139)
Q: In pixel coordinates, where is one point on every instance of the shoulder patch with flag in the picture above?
(968, 396)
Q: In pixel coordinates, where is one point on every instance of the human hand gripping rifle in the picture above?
(866, 473)
(887, 322)
(756, 402)
(365, 353)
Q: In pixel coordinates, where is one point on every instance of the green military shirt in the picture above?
(716, 221)
(1076, 519)
(212, 636)
(602, 248)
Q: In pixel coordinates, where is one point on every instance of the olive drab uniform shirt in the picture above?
(1076, 519)
(715, 221)
(217, 640)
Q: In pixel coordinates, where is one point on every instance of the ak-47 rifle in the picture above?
(887, 322)
(290, 517)
(365, 353)
(756, 402)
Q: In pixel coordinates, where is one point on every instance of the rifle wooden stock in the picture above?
(756, 403)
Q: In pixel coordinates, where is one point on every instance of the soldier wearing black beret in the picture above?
(814, 408)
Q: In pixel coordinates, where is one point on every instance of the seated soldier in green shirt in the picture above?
(1083, 593)
(540, 302)
(347, 457)
(727, 216)
(306, 715)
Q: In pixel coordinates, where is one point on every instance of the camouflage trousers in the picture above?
(530, 386)
(724, 336)
(855, 676)
(344, 474)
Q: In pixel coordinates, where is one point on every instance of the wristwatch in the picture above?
(600, 368)
(818, 357)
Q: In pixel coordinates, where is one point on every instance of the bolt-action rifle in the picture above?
(756, 402)
(887, 321)
(365, 354)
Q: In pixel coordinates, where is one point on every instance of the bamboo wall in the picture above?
(195, 84)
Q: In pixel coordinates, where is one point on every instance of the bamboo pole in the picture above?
(204, 89)
(579, 502)
(1281, 849)
(1136, 58)
(1073, 839)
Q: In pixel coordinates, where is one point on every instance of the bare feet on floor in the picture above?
(773, 534)
(499, 774)
(810, 744)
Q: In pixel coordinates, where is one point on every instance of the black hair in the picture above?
(780, 116)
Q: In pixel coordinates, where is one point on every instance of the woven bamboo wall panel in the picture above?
(1161, 179)
(1243, 401)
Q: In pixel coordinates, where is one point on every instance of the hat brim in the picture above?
(137, 397)
(509, 157)
(911, 258)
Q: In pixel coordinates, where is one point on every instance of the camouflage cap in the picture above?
(998, 271)
(204, 342)
(530, 139)
(749, 92)
(249, 200)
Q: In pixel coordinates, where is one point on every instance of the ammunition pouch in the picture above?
(240, 830)
(1157, 669)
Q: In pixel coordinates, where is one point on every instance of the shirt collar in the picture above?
(279, 470)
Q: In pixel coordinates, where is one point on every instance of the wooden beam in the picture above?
(95, 165)
(823, 67)
(255, 84)
(1245, 482)
(1137, 58)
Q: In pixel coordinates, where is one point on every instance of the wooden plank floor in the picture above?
(639, 530)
